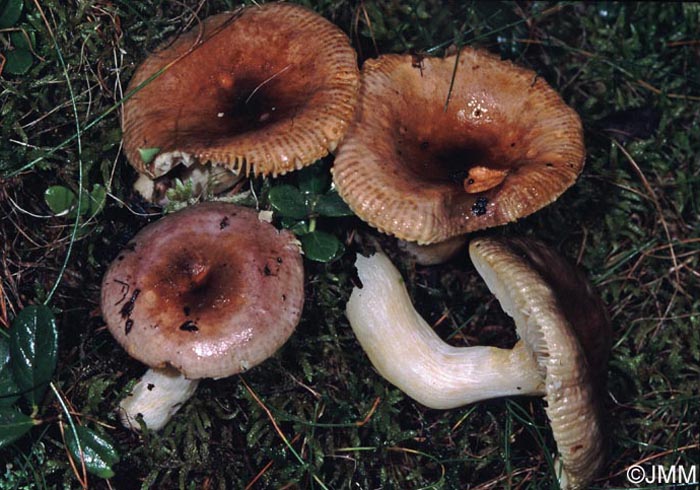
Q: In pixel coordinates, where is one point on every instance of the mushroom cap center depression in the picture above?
(474, 160)
(191, 289)
(264, 89)
(470, 145)
(210, 290)
(232, 104)
(205, 290)
(452, 145)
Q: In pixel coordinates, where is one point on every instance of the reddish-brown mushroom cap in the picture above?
(210, 290)
(265, 89)
(445, 146)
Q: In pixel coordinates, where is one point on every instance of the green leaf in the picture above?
(9, 391)
(19, 61)
(295, 226)
(10, 13)
(314, 179)
(13, 425)
(300, 228)
(320, 246)
(288, 222)
(98, 197)
(21, 40)
(148, 154)
(98, 453)
(62, 201)
(59, 199)
(332, 205)
(33, 347)
(288, 201)
(84, 205)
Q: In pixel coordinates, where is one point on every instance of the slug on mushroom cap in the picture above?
(265, 89)
(206, 292)
(562, 352)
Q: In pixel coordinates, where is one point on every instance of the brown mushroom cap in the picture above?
(565, 324)
(210, 290)
(265, 89)
(424, 168)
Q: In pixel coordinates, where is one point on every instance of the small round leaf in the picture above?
(320, 246)
(19, 61)
(59, 199)
(288, 201)
(295, 226)
(10, 12)
(23, 39)
(314, 179)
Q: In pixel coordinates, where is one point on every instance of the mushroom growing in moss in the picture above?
(562, 352)
(206, 292)
(448, 146)
(264, 89)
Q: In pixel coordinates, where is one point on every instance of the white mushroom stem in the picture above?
(157, 396)
(435, 253)
(410, 355)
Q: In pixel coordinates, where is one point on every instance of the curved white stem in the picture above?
(409, 354)
(157, 396)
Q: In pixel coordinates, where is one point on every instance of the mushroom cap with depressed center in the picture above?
(445, 146)
(264, 89)
(565, 324)
(210, 290)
